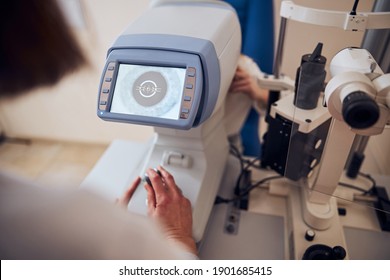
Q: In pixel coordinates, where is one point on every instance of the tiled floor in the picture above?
(50, 162)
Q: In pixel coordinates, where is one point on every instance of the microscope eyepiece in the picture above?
(359, 110)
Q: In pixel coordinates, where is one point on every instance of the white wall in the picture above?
(68, 110)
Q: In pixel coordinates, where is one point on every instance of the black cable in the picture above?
(243, 170)
(219, 199)
(235, 152)
(368, 176)
(364, 191)
(251, 163)
(244, 165)
(370, 191)
(354, 8)
(258, 183)
(354, 187)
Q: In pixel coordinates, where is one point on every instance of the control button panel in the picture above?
(106, 86)
(189, 89)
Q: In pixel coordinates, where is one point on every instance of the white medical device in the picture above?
(356, 103)
(356, 98)
(171, 69)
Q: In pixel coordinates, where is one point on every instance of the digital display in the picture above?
(148, 91)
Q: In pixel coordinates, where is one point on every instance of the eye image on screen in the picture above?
(148, 91)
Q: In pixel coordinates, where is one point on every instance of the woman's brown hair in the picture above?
(36, 46)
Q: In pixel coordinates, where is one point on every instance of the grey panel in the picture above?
(367, 245)
(259, 237)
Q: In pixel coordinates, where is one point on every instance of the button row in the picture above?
(106, 86)
(189, 90)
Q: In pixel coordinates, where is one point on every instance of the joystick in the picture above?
(147, 179)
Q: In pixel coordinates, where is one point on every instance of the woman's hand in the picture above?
(167, 206)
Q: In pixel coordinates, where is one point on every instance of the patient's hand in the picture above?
(247, 84)
(167, 206)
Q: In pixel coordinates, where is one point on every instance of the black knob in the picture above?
(339, 253)
(359, 110)
(310, 234)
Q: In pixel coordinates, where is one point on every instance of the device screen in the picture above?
(148, 91)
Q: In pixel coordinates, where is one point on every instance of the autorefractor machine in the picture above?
(171, 69)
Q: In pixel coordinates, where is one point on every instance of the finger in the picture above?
(242, 89)
(169, 180)
(125, 199)
(157, 184)
(243, 81)
(240, 73)
(151, 197)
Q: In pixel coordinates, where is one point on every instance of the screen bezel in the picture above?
(157, 58)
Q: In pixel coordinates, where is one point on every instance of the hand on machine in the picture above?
(166, 205)
(147, 179)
